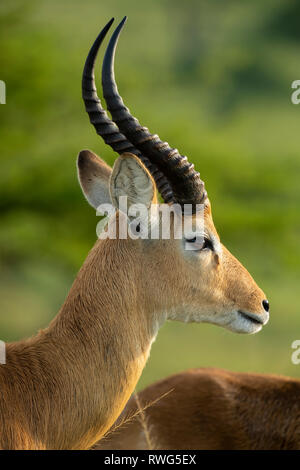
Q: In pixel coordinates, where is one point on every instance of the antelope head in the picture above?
(192, 278)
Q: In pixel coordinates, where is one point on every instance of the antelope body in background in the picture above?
(212, 409)
(65, 387)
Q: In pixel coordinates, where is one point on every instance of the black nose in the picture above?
(266, 305)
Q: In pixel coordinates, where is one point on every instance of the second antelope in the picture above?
(67, 385)
(211, 409)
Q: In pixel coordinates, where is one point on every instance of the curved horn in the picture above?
(105, 127)
(186, 184)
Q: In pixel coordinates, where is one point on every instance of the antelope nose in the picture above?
(266, 305)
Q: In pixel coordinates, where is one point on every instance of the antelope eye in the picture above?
(207, 244)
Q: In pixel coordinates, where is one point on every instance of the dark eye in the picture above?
(207, 244)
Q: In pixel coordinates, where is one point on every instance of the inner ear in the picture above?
(94, 175)
(132, 179)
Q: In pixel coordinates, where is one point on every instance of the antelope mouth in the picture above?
(252, 317)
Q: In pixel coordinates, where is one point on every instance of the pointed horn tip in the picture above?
(109, 23)
(121, 24)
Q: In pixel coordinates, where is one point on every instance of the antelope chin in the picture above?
(247, 323)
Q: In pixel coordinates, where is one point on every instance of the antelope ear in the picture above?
(132, 179)
(93, 175)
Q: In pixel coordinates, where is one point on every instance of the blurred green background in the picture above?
(214, 79)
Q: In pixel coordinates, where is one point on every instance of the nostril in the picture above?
(266, 305)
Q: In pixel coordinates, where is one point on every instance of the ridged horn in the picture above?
(185, 182)
(105, 127)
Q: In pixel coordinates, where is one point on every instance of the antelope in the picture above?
(65, 387)
(211, 409)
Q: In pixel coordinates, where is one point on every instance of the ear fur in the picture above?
(94, 175)
(132, 179)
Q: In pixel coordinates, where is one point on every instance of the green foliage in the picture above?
(214, 79)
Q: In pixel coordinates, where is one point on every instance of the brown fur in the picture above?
(214, 409)
(53, 385)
